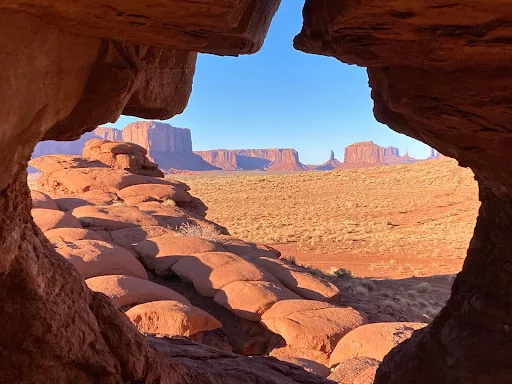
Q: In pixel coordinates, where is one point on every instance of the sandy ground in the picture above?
(392, 222)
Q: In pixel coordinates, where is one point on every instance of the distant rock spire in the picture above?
(332, 156)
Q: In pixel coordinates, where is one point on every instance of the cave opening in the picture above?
(438, 73)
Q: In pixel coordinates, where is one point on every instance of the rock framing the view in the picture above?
(439, 72)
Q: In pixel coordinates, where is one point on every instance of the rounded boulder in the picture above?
(97, 258)
(113, 217)
(358, 370)
(372, 340)
(128, 290)
(161, 253)
(42, 200)
(47, 219)
(159, 192)
(171, 318)
(71, 234)
(251, 299)
(311, 324)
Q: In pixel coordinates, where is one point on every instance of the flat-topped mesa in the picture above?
(277, 159)
(364, 152)
(168, 146)
(367, 153)
(158, 137)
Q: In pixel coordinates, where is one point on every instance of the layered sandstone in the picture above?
(368, 154)
(439, 72)
(108, 133)
(169, 146)
(282, 159)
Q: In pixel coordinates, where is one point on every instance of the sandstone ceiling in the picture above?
(439, 72)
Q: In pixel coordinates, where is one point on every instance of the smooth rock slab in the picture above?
(311, 324)
(307, 365)
(161, 253)
(303, 283)
(47, 219)
(128, 237)
(159, 192)
(171, 318)
(68, 203)
(112, 218)
(211, 271)
(42, 200)
(71, 234)
(251, 299)
(372, 340)
(80, 180)
(127, 290)
(98, 258)
(358, 370)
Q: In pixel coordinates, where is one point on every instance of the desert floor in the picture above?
(397, 222)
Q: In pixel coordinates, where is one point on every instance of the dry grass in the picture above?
(206, 231)
(420, 215)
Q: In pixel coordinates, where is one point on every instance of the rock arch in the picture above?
(439, 72)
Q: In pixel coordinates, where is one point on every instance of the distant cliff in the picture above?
(168, 146)
(282, 159)
(51, 147)
(367, 153)
(158, 137)
(108, 133)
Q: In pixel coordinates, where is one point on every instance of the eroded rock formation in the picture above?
(367, 153)
(439, 73)
(58, 84)
(279, 159)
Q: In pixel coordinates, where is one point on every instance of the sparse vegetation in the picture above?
(206, 231)
(341, 273)
(290, 260)
(393, 219)
(423, 288)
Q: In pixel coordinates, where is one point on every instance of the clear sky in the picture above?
(283, 98)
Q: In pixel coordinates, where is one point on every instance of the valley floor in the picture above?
(387, 222)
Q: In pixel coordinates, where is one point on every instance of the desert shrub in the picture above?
(391, 305)
(207, 232)
(368, 284)
(359, 290)
(290, 260)
(423, 288)
(169, 202)
(341, 273)
(314, 271)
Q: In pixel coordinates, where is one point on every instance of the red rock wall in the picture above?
(221, 158)
(253, 159)
(365, 152)
(440, 72)
(158, 137)
(107, 133)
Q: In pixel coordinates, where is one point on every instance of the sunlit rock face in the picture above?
(439, 72)
(62, 75)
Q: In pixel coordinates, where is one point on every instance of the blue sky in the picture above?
(283, 98)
